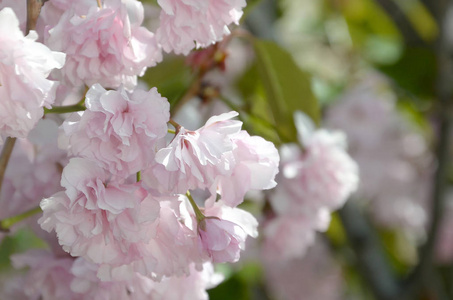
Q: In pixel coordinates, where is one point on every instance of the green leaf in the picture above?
(415, 71)
(171, 77)
(287, 88)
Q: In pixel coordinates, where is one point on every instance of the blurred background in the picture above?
(380, 71)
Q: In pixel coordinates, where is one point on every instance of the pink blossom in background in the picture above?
(52, 277)
(316, 276)
(48, 278)
(391, 152)
(118, 130)
(315, 179)
(24, 67)
(320, 175)
(104, 45)
(189, 287)
(185, 25)
(288, 237)
(444, 244)
(139, 287)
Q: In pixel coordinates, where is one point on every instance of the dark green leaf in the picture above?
(287, 88)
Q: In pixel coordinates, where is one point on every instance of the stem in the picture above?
(139, 176)
(6, 224)
(171, 131)
(99, 3)
(4, 157)
(64, 109)
(198, 213)
(176, 125)
(33, 10)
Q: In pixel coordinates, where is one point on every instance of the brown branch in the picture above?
(33, 10)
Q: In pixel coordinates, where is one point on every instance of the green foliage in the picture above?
(415, 71)
(244, 284)
(286, 87)
(21, 241)
(171, 77)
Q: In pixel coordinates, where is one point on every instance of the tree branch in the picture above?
(408, 32)
(421, 276)
(372, 262)
(33, 10)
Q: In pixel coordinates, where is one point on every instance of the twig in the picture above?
(6, 224)
(33, 10)
(4, 157)
(64, 109)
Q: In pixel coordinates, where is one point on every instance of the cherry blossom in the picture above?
(218, 156)
(24, 67)
(119, 130)
(189, 24)
(104, 45)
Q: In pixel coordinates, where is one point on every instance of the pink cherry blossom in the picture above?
(121, 227)
(96, 218)
(63, 277)
(195, 158)
(104, 45)
(34, 172)
(192, 286)
(256, 166)
(189, 24)
(322, 175)
(24, 67)
(48, 276)
(218, 157)
(391, 151)
(289, 236)
(221, 239)
(223, 231)
(119, 130)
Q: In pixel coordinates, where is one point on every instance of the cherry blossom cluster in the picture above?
(390, 151)
(141, 211)
(317, 177)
